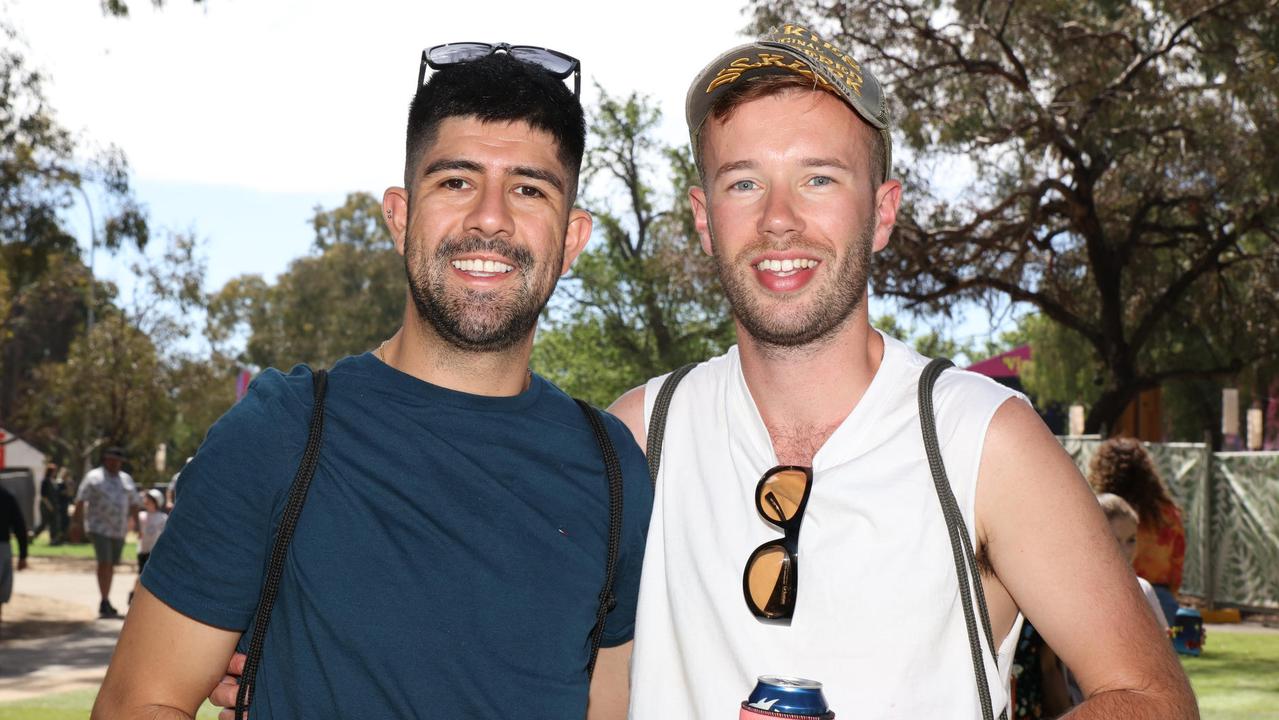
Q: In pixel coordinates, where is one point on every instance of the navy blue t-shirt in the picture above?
(448, 560)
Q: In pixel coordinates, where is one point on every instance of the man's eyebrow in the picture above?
(452, 164)
(537, 173)
(825, 162)
(735, 165)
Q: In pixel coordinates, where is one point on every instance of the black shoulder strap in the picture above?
(280, 548)
(657, 423)
(612, 468)
(961, 545)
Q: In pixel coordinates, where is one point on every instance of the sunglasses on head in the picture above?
(771, 578)
(556, 63)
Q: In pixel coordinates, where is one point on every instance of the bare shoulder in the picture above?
(629, 408)
(1053, 553)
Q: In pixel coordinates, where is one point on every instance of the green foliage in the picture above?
(1063, 368)
(107, 392)
(200, 390)
(1123, 183)
(345, 298)
(46, 292)
(643, 299)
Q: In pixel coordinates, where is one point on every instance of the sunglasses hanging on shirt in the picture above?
(771, 578)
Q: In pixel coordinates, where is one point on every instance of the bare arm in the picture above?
(1054, 554)
(611, 684)
(629, 408)
(164, 665)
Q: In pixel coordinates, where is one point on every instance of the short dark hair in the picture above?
(769, 85)
(497, 88)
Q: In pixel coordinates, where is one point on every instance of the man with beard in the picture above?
(450, 556)
(814, 417)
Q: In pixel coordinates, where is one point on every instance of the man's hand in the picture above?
(223, 695)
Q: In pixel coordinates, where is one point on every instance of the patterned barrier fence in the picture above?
(1230, 502)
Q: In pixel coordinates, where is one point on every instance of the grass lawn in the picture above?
(1237, 677)
(69, 705)
(40, 547)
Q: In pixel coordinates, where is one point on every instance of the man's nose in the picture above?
(491, 214)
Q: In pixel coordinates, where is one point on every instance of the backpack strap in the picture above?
(613, 469)
(283, 535)
(657, 423)
(961, 545)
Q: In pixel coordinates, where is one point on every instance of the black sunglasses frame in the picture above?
(575, 66)
(781, 606)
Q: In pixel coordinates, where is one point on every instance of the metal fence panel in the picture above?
(1232, 532)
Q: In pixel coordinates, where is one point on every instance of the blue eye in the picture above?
(744, 185)
(820, 181)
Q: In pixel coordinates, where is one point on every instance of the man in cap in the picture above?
(814, 417)
(107, 498)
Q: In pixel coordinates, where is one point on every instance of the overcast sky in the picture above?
(239, 116)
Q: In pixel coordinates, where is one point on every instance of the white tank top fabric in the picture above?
(878, 618)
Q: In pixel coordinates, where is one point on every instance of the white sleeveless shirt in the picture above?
(878, 618)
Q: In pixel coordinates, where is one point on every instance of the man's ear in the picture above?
(701, 218)
(888, 199)
(395, 213)
(576, 235)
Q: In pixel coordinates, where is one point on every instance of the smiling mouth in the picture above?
(786, 267)
(483, 268)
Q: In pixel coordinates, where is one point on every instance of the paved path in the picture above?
(61, 645)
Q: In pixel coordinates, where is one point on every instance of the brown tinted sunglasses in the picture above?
(771, 578)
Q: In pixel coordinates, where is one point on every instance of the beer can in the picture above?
(778, 696)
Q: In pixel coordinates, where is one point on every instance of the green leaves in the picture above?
(1122, 181)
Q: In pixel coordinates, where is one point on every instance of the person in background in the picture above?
(11, 522)
(50, 499)
(1123, 467)
(109, 496)
(153, 520)
(1123, 521)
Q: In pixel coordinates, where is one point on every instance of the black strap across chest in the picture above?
(293, 510)
(961, 544)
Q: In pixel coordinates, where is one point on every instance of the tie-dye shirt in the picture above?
(1161, 548)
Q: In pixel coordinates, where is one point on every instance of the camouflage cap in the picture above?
(792, 48)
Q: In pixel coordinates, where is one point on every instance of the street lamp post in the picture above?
(93, 247)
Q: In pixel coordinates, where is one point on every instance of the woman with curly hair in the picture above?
(1123, 467)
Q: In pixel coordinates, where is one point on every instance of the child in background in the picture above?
(1123, 467)
(152, 526)
(1123, 524)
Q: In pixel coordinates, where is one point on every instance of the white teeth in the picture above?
(482, 266)
(787, 265)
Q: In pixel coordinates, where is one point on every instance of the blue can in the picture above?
(781, 696)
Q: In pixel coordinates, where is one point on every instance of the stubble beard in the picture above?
(472, 320)
(792, 323)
